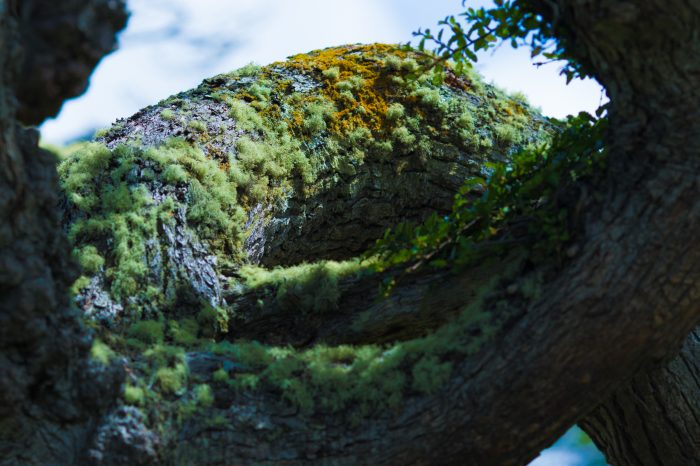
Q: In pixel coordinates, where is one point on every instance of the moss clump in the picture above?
(204, 395)
(221, 375)
(101, 353)
(115, 205)
(358, 380)
(183, 332)
(90, 260)
(212, 320)
(172, 380)
(167, 114)
(429, 374)
(147, 331)
(305, 287)
(134, 395)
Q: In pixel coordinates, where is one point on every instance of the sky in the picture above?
(172, 45)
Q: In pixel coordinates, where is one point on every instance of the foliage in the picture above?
(516, 205)
(511, 21)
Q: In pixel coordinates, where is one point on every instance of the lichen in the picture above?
(293, 129)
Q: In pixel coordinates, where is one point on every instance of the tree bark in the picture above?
(49, 391)
(654, 419)
(624, 302)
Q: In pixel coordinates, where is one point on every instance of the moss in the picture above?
(197, 126)
(174, 174)
(331, 73)
(90, 260)
(172, 380)
(134, 395)
(247, 118)
(183, 332)
(403, 136)
(204, 395)
(220, 375)
(212, 320)
(147, 331)
(429, 374)
(305, 287)
(81, 283)
(114, 207)
(100, 352)
(395, 111)
(167, 114)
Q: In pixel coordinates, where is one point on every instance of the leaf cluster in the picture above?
(510, 21)
(514, 203)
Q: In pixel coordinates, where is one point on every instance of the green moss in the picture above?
(81, 283)
(167, 114)
(174, 174)
(115, 208)
(134, 395)
(147, 331)
(221, 375)
(172, 380)
(247, 118)
(403, 136)
(183, 332)
(90, 260)
(429, 374)
(204, 395)
(100, 352)
(395, 111)
(332, 73)
(212, 320)
(305, 287)
(197, 126)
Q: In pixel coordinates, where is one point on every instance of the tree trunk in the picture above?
(655, 418)
(50, 393)
(625, 301)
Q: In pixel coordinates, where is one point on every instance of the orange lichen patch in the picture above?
(356, 79)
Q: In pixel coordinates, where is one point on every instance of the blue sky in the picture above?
(171, 45)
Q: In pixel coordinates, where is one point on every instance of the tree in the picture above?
(627, 280)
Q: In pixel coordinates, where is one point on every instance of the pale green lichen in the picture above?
(363, 104)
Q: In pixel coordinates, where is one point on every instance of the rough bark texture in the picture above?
(624, 302)
(631, 285)
(654, 419)
(49, 391)
(651, 79)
